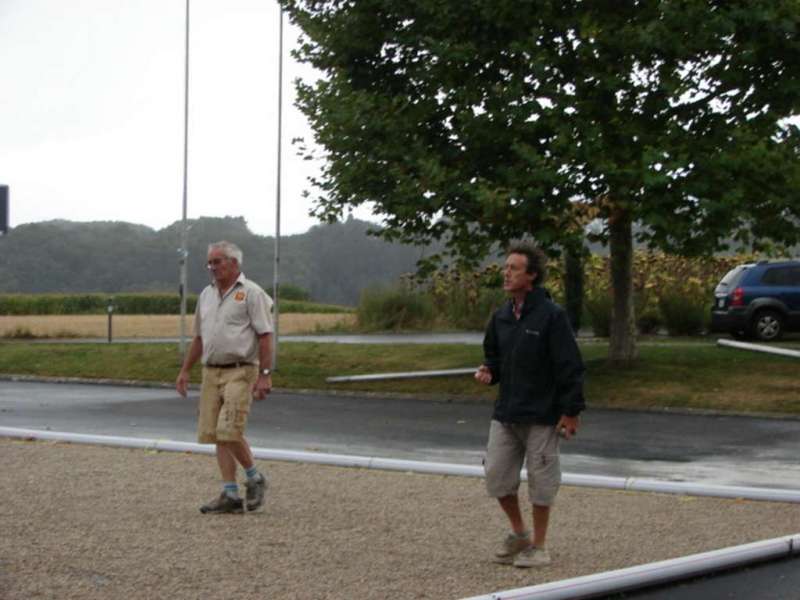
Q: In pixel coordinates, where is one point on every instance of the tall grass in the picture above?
(394, 308)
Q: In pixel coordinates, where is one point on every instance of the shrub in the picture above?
(598, 307)
(683, 315)
(394, 308)
(289, 291)
(462, 298)
(649, 321)
(471, 311)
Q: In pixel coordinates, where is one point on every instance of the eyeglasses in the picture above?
(215, 261)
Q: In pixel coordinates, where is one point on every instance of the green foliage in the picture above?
(394, 308)
(649, 321)
(464, 299)
(91, 304)
(289, 291)
(298, 306)
(573, 287)
(494, 117)
(682, 315)
(126, 304)
(474, 123)
(598, 307)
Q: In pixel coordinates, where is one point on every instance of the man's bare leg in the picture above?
(239, 451)
(541, 519)
(510, 506)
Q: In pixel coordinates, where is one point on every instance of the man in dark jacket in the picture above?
(530, 350)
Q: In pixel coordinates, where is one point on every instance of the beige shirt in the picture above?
(229, 326)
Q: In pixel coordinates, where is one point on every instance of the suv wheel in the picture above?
(767, 325)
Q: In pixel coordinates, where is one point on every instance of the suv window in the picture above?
(732, 276)
(788, 276)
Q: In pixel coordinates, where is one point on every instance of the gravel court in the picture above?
(94, 522)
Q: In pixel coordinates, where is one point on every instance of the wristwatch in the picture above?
(265, 371)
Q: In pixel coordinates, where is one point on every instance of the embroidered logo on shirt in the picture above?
(238, 296)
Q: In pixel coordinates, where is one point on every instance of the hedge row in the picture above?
(125, 304)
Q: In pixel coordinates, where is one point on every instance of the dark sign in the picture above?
(3, 209)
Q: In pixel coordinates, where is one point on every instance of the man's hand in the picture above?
(483, 375)
(192, 356)
(568, 426)
(262, 386)
(182, 383)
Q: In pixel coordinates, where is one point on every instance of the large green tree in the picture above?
(480, 121)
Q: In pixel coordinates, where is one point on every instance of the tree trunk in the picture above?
(622, 348)
(573, 286)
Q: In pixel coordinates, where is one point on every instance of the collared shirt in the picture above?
(230, 325)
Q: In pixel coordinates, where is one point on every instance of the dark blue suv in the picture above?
(758, 300)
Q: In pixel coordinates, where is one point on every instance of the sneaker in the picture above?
(223, 504)
(255, 491)
(511, 546)
(532, 557)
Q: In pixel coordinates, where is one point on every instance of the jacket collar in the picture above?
(532, 299)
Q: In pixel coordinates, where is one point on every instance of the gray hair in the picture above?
(228, 249)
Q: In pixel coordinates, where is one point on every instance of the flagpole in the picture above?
(184, 251)
(275, 279)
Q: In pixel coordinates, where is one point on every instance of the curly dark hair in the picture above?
(537, 261)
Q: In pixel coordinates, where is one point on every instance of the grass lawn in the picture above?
(670, 373)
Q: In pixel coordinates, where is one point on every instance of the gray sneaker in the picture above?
(223, 504)
(532, 557)
(511, 547)
(255, 492)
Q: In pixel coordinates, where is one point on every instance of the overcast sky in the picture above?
(91, 112)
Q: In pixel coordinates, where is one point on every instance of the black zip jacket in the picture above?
(536, 360)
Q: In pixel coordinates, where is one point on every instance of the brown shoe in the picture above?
(223, 504)
(255, 491)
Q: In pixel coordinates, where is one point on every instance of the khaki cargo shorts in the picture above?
(511, 444)
(225, 398)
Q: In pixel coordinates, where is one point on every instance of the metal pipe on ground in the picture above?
(759, 348)
(401, 375)
(417, 466)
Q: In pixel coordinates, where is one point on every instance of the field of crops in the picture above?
(146, 326)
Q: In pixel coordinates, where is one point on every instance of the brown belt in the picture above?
(233, 365)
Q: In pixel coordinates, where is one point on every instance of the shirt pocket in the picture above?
(236, 313)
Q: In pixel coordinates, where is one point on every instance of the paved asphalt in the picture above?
(711, 449)
(725, 450)
(777, 580)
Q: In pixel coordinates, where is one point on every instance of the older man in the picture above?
(233, 337)
(530, 349)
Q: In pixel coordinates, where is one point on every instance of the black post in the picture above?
(3, 209)
(110, 313)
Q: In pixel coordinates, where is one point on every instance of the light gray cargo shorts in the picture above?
(512, 444)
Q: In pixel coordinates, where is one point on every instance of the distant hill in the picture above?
(333, 262)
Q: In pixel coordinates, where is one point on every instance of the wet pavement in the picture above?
(712, 449)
